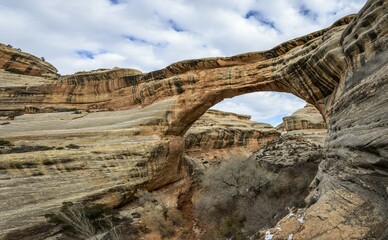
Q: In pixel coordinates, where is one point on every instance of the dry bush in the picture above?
(244, 197)
(231, 227)
(75, 220)
(80, 221)
(155, 221)
(40, 231)
(157, 216)
(175, 216)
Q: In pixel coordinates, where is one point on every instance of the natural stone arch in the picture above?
(309, 67)
(342, 70)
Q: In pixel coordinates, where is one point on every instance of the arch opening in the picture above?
(261, 165)
(263, 107)
(245, 123)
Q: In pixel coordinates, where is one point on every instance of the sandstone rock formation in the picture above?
(219, 135)
(16, 61)
(306, 118)
(290, 160)
(122, 119)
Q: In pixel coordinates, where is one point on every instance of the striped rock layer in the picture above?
(100, 135)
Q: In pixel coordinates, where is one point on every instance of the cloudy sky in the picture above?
(77, 35)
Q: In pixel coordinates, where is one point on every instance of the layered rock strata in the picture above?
(305, 118)
(220, 135)
(49, 158)
(342, 70)
(15, 61)
(198, 84)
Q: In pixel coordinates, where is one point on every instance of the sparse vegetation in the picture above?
(14, 114)
(28, 148)
(157, 216)
(73, 146)
(80, 221)
(4, 142)
(240, 197)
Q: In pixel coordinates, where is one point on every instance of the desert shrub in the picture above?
(4, 142)
(40, 231)
(231, 227)
(73, 146)
(85, 221)
(29, 148)
(156, 221)
(240, 197)
(14, 114)
(235, 178)
(175, 216)
(157, 216)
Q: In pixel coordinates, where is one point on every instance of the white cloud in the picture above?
(267, 107)
(167, 31)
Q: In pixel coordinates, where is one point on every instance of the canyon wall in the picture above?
(97, 136)
(220, 135)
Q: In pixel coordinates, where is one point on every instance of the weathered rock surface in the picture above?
(292, 149)
(342, 70)
(18, 62)
(351, 184)
(196, 85)
(219, 135)
(88, 156)
(306, 118)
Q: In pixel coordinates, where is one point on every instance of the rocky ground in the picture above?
(218, 137)
(96, 137)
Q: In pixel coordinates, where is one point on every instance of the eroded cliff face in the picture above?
(196, 85)
(351, 184)
(80, 156)
(220, 135)
(305, 118)
(122, 118)
(15, 61)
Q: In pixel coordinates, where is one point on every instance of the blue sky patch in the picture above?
(175, 26)
(274, 121)
(89, 54)
(86, 54)
(305, 11)
(115, 2)
(135, 39)
(259, 17)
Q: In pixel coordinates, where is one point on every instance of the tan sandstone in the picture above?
(129, 125)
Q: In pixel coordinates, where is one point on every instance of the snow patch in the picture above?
(300, 218)
(268, 235)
